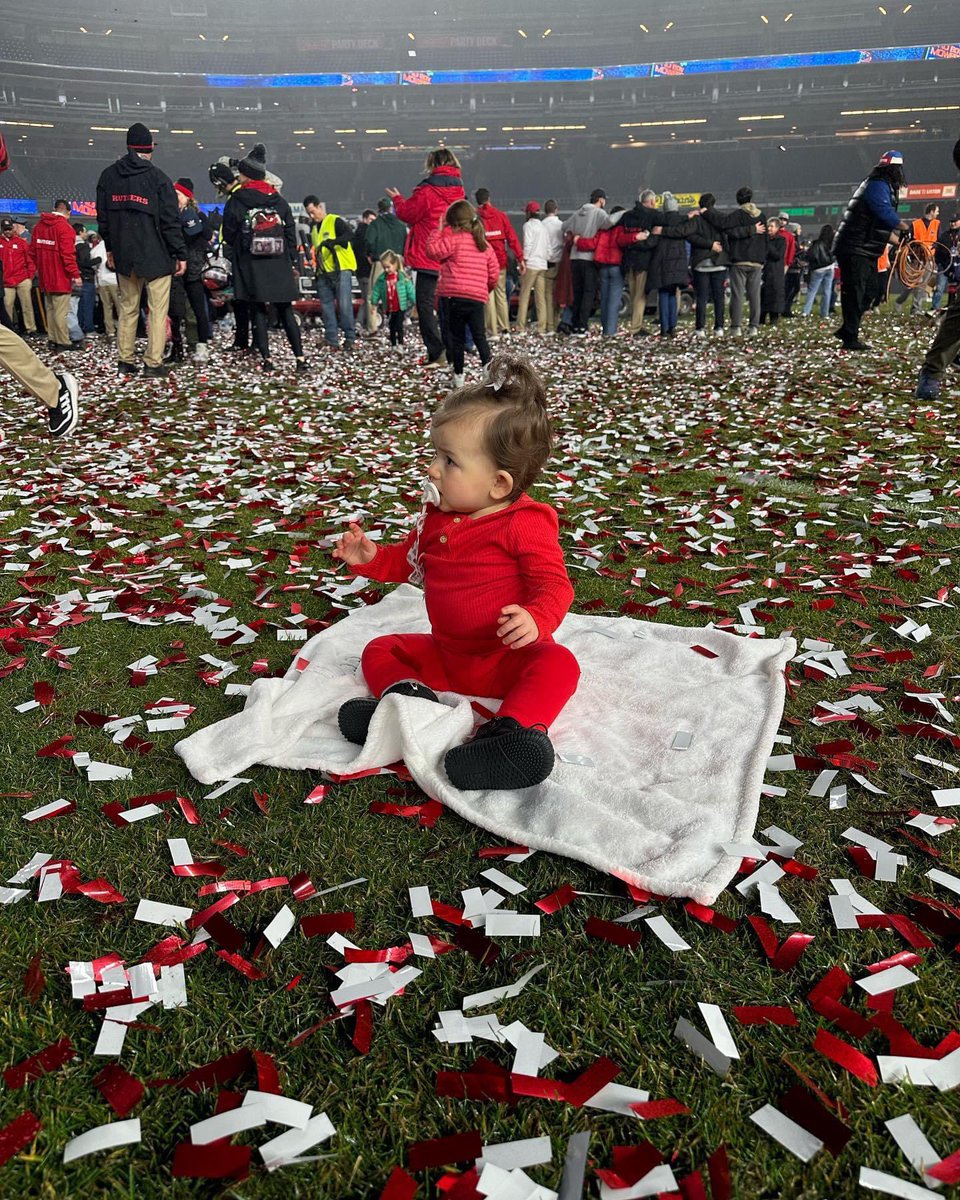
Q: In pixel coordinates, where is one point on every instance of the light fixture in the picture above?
(764, 19)
(450, 129)
(411, 37)
(648, 124)
(225, 38)
(82, 30)
(539, 128)
(249, 132)
(374, 131)
(106, 129)
(107, 32)
(181, 131)
(907, 9)
(202, 37)
(522, 33)
(788, 17)
(882, 9)
(669, 25)
(32, 124)
(304, 131)
(546, 33)
(872, 112)
(767, 117)
(344, 131)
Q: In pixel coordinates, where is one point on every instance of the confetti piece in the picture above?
(103, 1137)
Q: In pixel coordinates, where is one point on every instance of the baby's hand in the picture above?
(355, 547)
(516, 627)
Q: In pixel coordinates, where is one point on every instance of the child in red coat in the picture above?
(494, 582)
(468, 270)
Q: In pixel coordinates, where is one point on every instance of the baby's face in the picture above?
(464, 474)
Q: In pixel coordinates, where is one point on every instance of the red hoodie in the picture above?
(52, 244)
(16, 260)
(791, 251)
(500, 233)
(465, 271)
(429, 201)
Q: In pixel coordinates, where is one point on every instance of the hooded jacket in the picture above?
(16, 260)
(387, 232)
(465, 271)
(744, 244)
(868, 220)
(139, 219)
(701, 238)
(500, 233)
(637, 257)
(262, 280)
(584, 223)
(669, 267)
(52, 244)
(429, 200)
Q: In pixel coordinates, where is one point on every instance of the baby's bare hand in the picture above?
(516, 627)
(355, 548)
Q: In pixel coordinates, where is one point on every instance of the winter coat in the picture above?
(88, 268)
(869, 218)
(139, 219)
(105, 277)
(428, 202)
(701, 238)
(52, 244)
(359, 243)
(500, 233)
(773, 285)
(536, 244)
(637, 257)
(584, 223)
(609, 245)
(387, 232)
(196, 234)
(465, 271)
(406, 295)
(16, 260)
(744, 244)
(261, 280)
(790, 252)
(818, 254)
(669, 267)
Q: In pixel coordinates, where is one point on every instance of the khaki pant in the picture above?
(58, 308)
(638, 299)
(17, 357)
(110, 299)
(497, 315)
(533, 280)
(550, 301)
(23, 291)
(158, 303)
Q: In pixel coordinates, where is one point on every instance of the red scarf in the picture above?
(393, 299)
(261, 185)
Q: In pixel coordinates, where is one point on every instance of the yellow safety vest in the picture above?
(341, 258)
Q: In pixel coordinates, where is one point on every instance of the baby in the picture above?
(494, 582)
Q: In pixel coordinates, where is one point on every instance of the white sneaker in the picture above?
(736, 332)
(753, 331)
(202, 352)
(457, 381)
(700, 334)
(718, 333)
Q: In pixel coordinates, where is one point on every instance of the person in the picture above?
(196, 236)
(553, 227)
(52, 244)
(258, 227)
(669, 269)
(773, 278)
(83, 307)
(793, 264)
(608, 247)
(139, 222)
(869, 222)
(819, 257)
(224, 179)
(926, 231)
(943, 250)
(502, 236)
(945, 348)
(536, 247)
(587, 221)
(57, 392)
(17, 270)
(385, 232)
(708, 264)
(745, 229)
(335, 263)
(107, 288)
(368, 317)
(469, 269)
(636, 259)
(427, 203)
(494, 582)
(394, 293)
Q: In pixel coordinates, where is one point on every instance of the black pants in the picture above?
(457, 315)
(241, 315)
(197, 295)
(858, 281)
(395, 325)
(584, 272)
(792, 291)
(946, 345)
(290, 327)
(427, 314)
(709, 289)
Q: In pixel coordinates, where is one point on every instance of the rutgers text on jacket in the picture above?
(139, 219)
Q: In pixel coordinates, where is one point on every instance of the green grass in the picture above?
(788, 429)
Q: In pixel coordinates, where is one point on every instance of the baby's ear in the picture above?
(502, 485)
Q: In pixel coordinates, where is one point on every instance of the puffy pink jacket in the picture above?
(429, 200)
(465, 271)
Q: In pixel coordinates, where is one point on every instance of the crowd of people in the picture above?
(155, 262)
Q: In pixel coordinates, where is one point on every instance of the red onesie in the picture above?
(471, 569)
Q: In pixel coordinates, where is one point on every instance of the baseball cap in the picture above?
(6, 225)
(532, 207)
(892, 158)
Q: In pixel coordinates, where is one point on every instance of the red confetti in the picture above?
(653, 1110)
(320, 923)
(764, 1014)
(215, 1160)
(705, 652)
(121, 1090)
(17, 1135)
(34, 980)
(607, 931)
(49, 1059)
(556, 900)
(458, 1147)
(400, 1186)
(846, 1056)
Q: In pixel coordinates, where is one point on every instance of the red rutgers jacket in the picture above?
(52, 244)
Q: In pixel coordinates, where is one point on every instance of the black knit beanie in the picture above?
(139, 138)
(254, 166)
(187, 183)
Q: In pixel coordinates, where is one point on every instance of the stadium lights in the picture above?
(669, 25)
(108, 129)
(538, 128)
(82, 30)
(107, 32)
(647, 124)
(29, 124)
(907, 9)
(181, 131)
(767, 117)
(644, 28)
(873, 112)
(412, 37)
(250, 132)
(788, 17)
(450, 129)
(522, 33)
(764, 19)
(374, 131)
(304, 131)
(202, 37)
(546, 33)
(344, 131)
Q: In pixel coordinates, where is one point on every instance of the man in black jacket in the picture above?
(139, 222)
(636, 258)
(745, 232)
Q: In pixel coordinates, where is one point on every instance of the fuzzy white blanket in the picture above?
(624, 797)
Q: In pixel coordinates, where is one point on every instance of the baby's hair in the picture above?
(513, 405)
(462, 215)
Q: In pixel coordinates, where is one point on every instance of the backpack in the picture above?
(263, 233)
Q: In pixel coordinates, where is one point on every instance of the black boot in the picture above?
(503, 755)
(355, 716)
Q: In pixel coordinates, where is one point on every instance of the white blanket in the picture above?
(620, 798)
